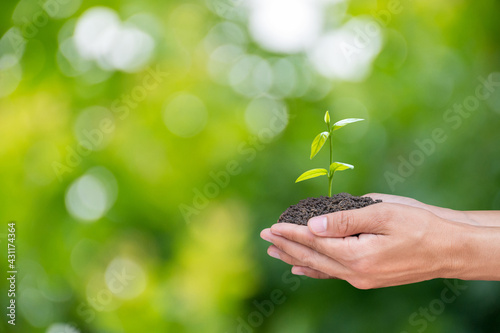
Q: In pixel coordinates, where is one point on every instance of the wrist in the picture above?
(453, 215)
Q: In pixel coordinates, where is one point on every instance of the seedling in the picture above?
(316, 146)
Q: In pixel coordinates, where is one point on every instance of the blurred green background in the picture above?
(145, 144)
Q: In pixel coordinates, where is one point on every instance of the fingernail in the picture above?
(297, 272)
(274, 254)
(318, 224)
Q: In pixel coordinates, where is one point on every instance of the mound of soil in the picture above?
(310, 207)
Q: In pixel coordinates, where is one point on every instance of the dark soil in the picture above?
(310, 207)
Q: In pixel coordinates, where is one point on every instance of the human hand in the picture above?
(476, 218)
(381, 245)
(446, 213)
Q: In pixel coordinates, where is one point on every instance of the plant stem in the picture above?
(330, 173)
(330, 180)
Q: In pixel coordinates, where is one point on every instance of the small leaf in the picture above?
(311, 174)
(339, 166)
(343, 122)
(327, 118)
(318, 143)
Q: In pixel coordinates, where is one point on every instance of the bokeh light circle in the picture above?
(266, 116)
(284, 77)
(61, 9)
(62, 328)
(100, 36)
(347, 53)
(35, 308)
(94, 127)
(185, 115)
(10, 74)
(221, 61)
(92, 195)
(125, 278)
(289, 30)
(224, 33)
(251, 76)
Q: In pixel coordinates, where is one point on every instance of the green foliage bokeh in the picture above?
(204, 268)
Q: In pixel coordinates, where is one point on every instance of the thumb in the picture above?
(346, 223)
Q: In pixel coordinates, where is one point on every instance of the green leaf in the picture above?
(318, 143)
(311, 174)
(339, 166)
(343, 122)
(327, 118)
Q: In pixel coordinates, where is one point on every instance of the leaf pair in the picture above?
(335, 166)
(320, 139)
(318, 143)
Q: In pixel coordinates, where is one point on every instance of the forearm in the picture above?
(479, 217)
(484, 217)
(476, 254)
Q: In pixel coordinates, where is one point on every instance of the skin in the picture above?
(396, 242)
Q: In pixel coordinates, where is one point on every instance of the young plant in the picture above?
(316, 146)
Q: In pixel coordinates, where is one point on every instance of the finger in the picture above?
(298, 267)
(309, 257)
(380, 196)
(312, 273)
(370, 220)
(397, 199)
(266, 235)
(336, 248)
(392, 199)
(275, 252)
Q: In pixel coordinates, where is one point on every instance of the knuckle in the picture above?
(305, 259)
(310, 241)
(280, 247)
(299, 237)
(343, 222)
(384, 213)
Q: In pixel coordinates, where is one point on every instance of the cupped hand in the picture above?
(381, 245)
(446, 213)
